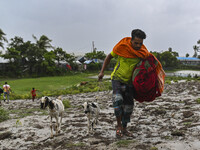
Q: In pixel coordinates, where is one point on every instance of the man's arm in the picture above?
(105, 64)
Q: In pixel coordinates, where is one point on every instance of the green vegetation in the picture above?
(62, 85)
(66, 104)
(153, 148)
(176, 79)
(198, 100)
(4, 115)
(187, 123)
(124, 143)
(51, 86)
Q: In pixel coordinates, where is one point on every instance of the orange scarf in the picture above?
(125, 49)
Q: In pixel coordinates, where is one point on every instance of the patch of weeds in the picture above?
(18, 123)
(175, 81)
(168, 138)
(153, 148)
(70, 145)
(187, 123)
(66, 104)
(168, 82)
(198, 100)
(4, 115)
(124, 143)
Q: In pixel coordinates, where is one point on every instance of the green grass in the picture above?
(24, 86)
(153, 148)
(4, 115)
(124, 143)
(198, 100)
(45, 85)
(62, 85)
(66, 104)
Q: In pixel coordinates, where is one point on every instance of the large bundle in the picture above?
(148, 79)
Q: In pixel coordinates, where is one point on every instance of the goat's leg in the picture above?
(89, 123)
(60, 123)
(57, 125)
(51, 126)
(97, 119)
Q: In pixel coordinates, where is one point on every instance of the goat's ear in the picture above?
(94, 105)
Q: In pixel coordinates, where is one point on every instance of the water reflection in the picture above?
(184, 73)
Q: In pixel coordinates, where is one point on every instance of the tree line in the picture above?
(28, 59)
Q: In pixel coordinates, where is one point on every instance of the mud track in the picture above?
(172, 121)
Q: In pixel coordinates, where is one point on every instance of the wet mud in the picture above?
(171, 122)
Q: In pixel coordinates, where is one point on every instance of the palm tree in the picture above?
(43, 42)
(2, 38)
(195, 50)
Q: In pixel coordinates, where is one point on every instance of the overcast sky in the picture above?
(74, 24)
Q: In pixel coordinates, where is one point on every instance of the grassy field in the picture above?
(61, 85)
(44, 84)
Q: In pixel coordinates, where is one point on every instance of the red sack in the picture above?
(145, 80)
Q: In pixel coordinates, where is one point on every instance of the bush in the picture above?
(94, 66)
(4, 115)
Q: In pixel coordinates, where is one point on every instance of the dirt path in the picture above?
(171, 122)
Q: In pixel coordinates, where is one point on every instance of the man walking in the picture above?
(7, 90)
(129, 52)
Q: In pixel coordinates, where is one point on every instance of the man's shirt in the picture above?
(124, 68)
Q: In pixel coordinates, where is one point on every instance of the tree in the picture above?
(14, 58)
(187, 55)
(170, 49)
(43, 43)
(48, 65)
(196, 49)
(59, 54)
(41, 48)
(2, 38)
(96, 55)
(168, 59)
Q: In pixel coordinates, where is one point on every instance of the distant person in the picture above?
(33, 93)
(1, 91)
(6, 90)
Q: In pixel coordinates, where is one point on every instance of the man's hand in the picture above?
(100, 76)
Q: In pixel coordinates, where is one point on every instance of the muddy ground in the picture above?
(171, 122)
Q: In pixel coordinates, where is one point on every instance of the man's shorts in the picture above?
(122, 99)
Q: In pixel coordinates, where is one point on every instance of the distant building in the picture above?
(189, 61)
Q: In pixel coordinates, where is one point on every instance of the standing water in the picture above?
(184, 73)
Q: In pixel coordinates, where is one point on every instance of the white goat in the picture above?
(92, 111)
(56, 110)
